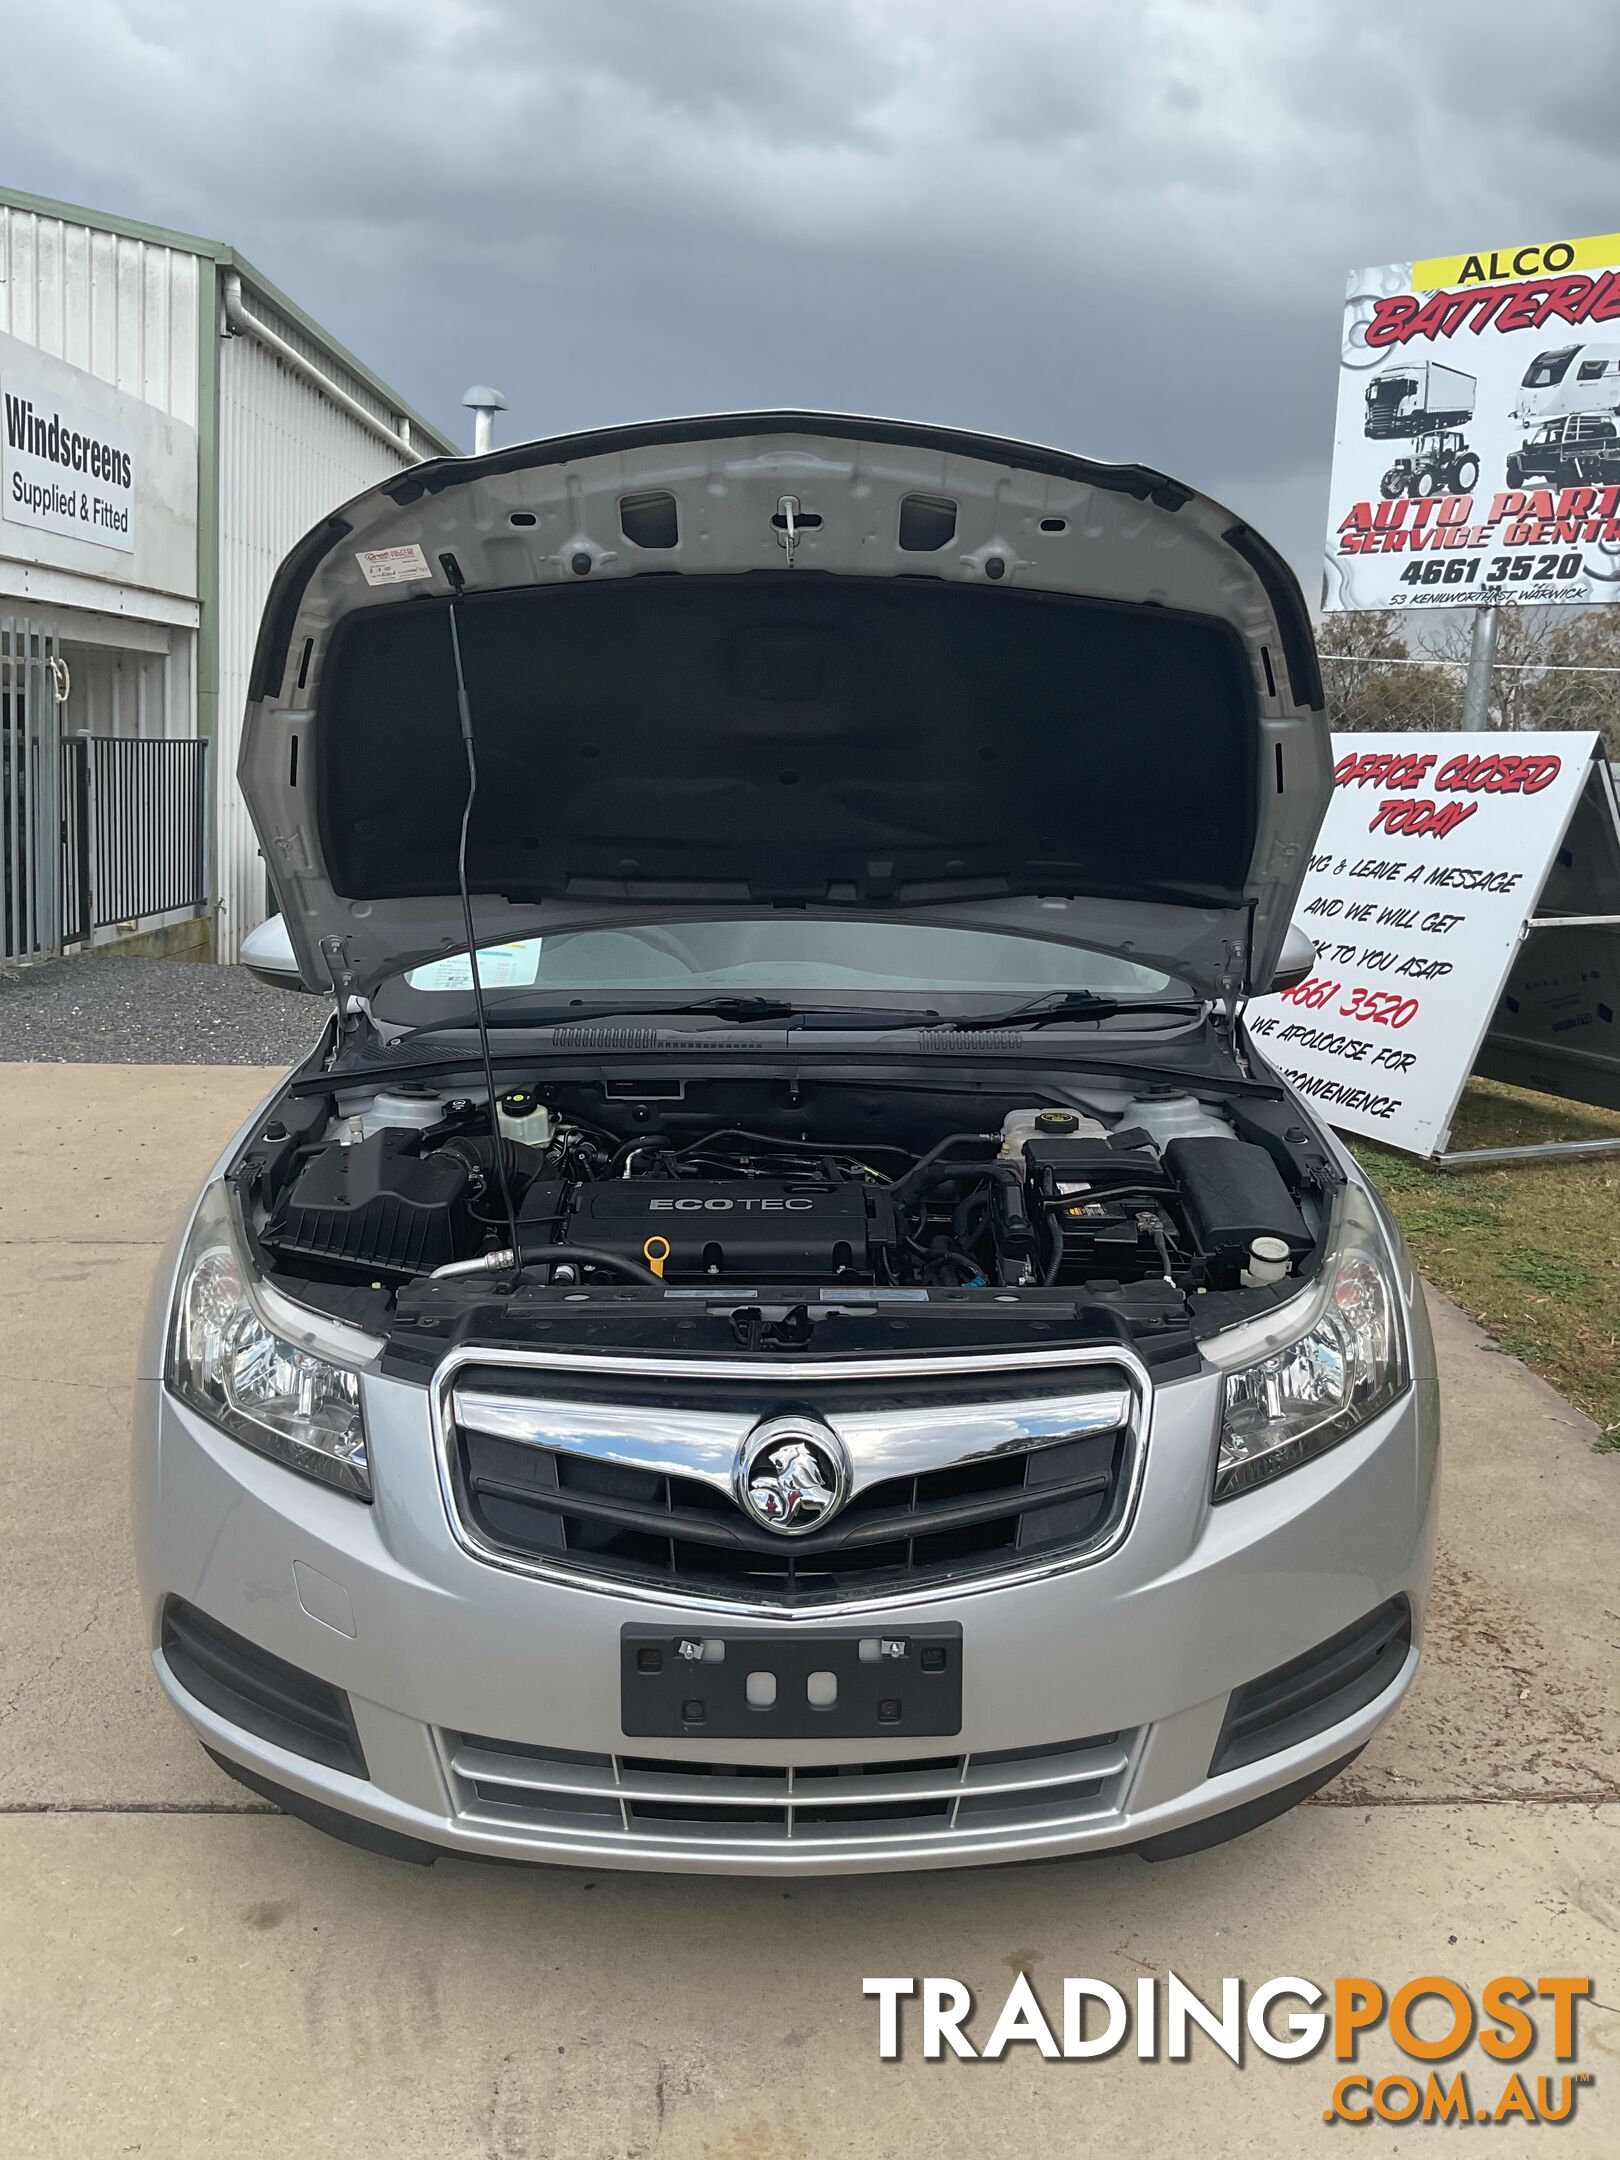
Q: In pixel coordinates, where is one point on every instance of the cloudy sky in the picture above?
(1119, 227)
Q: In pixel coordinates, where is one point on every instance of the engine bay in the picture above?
(395, 1202)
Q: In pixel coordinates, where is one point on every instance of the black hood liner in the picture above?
(790, 737)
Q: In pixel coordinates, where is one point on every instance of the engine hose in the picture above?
(972, 1214)
(501, 1262)
(780, 1141)
(590, 1256)
(477, 1153)
(1101, 1195)
(928, 1167)
(998, 1171)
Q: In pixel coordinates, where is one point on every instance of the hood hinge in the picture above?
(1233, 987)
(350, 1007)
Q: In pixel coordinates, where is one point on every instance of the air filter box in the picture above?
(380, 1203)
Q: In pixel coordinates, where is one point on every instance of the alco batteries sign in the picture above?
(1477, 451)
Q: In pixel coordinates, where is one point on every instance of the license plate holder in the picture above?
(693, 1683)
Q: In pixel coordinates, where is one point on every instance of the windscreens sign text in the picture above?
(95, 480)
(65, 470)
(1477, 450)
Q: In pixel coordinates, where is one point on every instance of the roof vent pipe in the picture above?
(485, 403)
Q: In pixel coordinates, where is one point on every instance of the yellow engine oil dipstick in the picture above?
(655, 1252)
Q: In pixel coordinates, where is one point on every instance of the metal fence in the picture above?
(29, 813)
(134, 829)
(1507, 668)
(73, 789)
(1429, 693)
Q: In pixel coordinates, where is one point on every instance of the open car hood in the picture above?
(787, 660)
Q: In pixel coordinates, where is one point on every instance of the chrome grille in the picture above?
(558, 1793)
(625, 1478)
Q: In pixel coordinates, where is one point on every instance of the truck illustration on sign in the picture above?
(1427, 404)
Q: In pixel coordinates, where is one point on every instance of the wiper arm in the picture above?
(1071, 1005)
(739, 1011)
(718, 1008)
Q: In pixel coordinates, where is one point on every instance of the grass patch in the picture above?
(1531, 1250)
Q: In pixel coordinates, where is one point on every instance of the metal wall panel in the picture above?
(123, 310)
(120, 693)
(287, 456)
(134, 311)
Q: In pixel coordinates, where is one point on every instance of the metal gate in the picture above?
(32, 679)
(134, 829)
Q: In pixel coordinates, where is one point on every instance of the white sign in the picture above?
(67, 469)
(394, 565)
(92, 480)
(1477, 452)
(1430, 860)
(500, 967)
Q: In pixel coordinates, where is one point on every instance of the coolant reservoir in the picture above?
(416, 1107)
(1165, 1115)
(1021, 1125)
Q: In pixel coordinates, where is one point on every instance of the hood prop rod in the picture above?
(464, 715)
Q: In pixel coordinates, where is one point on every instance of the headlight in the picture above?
(235, 1356)
(1342, 1360)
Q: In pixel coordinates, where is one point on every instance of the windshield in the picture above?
(933, 968)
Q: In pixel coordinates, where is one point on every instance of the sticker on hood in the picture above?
(393, 565)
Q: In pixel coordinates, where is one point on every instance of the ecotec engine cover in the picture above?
(753, 1229)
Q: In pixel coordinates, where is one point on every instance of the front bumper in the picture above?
(486, 1702)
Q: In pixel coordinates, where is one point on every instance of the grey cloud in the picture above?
(1120, 228)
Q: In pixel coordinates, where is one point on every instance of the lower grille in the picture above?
(1296, 1701)
(263, 1694)
(559, 1793)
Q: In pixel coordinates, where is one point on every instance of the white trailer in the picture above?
(1570, 379)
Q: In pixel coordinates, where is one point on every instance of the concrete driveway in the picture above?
(185, 1973)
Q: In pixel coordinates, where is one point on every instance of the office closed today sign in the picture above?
(1427, 870)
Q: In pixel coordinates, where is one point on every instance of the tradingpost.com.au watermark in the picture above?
(1290, 2020)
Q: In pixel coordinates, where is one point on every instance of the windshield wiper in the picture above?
(738, 1011)
(1070, 1005)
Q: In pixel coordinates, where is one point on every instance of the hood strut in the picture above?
(1235, 989)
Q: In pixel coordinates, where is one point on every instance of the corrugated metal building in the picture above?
(171, 424)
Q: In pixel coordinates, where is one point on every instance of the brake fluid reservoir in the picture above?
(521, 1115)
(1166, 1115)
(1021, 1125)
